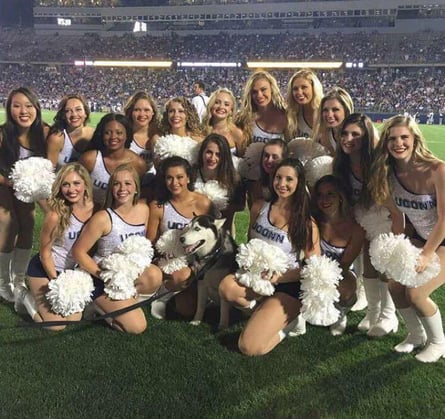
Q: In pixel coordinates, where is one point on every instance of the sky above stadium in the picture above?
(16, 12)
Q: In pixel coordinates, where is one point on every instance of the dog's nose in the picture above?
(182, 239)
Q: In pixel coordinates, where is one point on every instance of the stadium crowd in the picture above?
(46, 65)
(415, 90)
(371, 48)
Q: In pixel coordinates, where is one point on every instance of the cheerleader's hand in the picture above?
(423, 261)
(273, 279)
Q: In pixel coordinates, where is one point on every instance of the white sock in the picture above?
(19, 265)
(30, 304)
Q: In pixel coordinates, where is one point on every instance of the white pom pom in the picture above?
(170, 246)
(119, 274)
(175, 145)
(319, 281)
(138, 250)
(124, 266)
(375, 220)
(305, 149)
(397, 258)
(173, 264)
(215, 192)
(254, 281)
(380, 250)
(249, 167)
(32, 179)
(70, 292)
(258, 261)
(317, 168)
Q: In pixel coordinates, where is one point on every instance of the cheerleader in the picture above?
(176, 204)
(71, 206)
(215, 164)
(69, 135)
(352, 164)
(335, 106)
(180, 118)
(21, 136)
(142, 112)
(109, 149)
(304, 94)
(219, 119)
(407, 171)
(263, 111)
(285, 221)
(341, 239)
(273, 152)
(124, 216)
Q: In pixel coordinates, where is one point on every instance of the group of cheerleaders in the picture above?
(109, 186)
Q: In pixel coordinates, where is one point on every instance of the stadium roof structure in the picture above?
(299, 16)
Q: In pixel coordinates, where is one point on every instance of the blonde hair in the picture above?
(293, 108)
(379, 185)
(208, 119)
(345, 100)
(126, 167)
(57, 201)
(248, 108)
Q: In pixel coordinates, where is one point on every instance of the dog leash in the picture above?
(111, 314)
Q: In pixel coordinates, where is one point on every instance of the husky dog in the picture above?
(211, 251)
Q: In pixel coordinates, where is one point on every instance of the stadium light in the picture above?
(293, 64)
(140, 27)
(204, 64)
(358, 64)
(152, 64)
(82, 62)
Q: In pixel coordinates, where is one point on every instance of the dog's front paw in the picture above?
(195, 322)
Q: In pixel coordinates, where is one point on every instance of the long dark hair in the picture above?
(225, 172)
(339, 186)
(60, 122)
(162, 193)
(10, 147)
(342, 162)
(300, 222)
(97, 142)
(264, 177)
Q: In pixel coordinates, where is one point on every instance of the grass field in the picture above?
(175, 370)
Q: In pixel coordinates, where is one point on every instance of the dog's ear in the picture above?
(219, 222)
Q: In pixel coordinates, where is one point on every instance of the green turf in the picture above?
(175, 370)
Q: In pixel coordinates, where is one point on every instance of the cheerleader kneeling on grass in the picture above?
(176, 204)
(285, 221)
(71, 206)
(407, 171)
(125, 216)
(341, 239)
